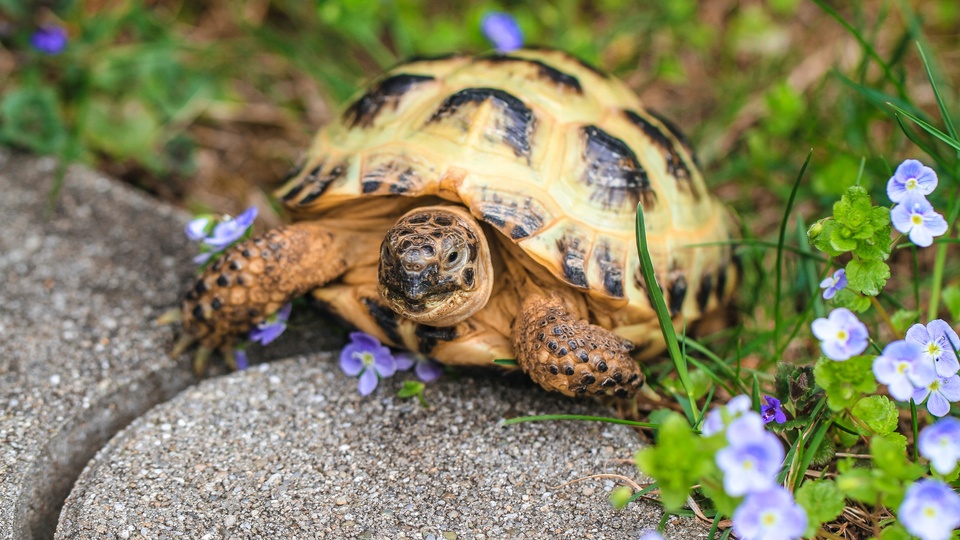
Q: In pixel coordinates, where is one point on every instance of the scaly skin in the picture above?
(569, 355)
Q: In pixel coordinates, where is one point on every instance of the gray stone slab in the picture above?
(291, 450)
(80, 284)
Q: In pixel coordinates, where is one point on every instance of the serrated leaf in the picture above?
(894, 532)
(867, 277)
(851, 300)
(677, 461)
(845, 382)
(877, 413)
(823, 502)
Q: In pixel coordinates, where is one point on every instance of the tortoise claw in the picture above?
(169, 317)
(182, 345)
(200, 360)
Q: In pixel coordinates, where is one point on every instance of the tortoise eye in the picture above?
(453, 257)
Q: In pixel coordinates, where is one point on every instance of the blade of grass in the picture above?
(779, 264)
(867, 48)
(663, 316)
(922, 145)
(545, 417)
(944, 114)
(928, 127)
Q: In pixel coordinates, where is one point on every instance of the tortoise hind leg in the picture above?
(563, 353)
(255, 278)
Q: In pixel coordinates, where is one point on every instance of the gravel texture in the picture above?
(291, 450)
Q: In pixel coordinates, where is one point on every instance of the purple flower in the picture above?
(720, 416)
(199, 228)
(940, 443)
(939, 393)
(911, 177)
(650, 534)
(901, 367)
(930, 510)
(915, 216)
(366, 357)
(841, 334)
(426, 369)
(241, 359)
(939, 343)
(49, 40)
(833, 284)
(271, 328)
(502, 30)
(772, 411)
(770, 515)
(229, 231)
(752, 460)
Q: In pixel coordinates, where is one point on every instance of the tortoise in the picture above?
(471, 208)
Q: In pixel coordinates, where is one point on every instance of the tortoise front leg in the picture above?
(255, 278)
(563, 353)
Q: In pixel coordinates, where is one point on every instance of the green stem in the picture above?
(938, 266)
(884, 315)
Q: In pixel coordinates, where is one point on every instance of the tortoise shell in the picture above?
(544, 148)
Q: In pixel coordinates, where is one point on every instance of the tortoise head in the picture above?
(435, 266)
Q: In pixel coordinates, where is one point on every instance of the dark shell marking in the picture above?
(385, 318)
(429, 336)
(611, 271)
(612, 168)
(677, 134)
(675, 164)
(583, 63)
(544, 70)
(394, 177)
(513, 126)
(387, 92)
(703, 293)
(315, 183)
(572, 256)
(677, 292)
(515, 216)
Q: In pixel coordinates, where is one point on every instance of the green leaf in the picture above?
(413, 389)
(823, 502)
(903, 319)
(857, 484)
(890, 456)
(678, 460)
(122, 130)
(951, 299)
(30, 118)
(894, 532)
(620, 497)
(878, 413)
(928, 127)
(851, 300)
(867, 277)
(845, 382)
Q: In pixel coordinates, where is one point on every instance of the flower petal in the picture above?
(383, 362)
(368, 382)
(428, 371)
(349, 362)
(937, 404)
(403, 361)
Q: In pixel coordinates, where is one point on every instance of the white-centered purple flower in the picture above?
(914, 216)
(911, 177)
(834, 283)
(502, 30)
(426, 369)
(930, 510)
(940, 443)
(939, 342)
(49, 40)
(229, 230)
(366, 357)
(770, 515)
(939, 393)
(902, 368)
(841, 334)
(271, 328)
(772, 411)
(717, 418)
(199, 228)
(752, 460)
